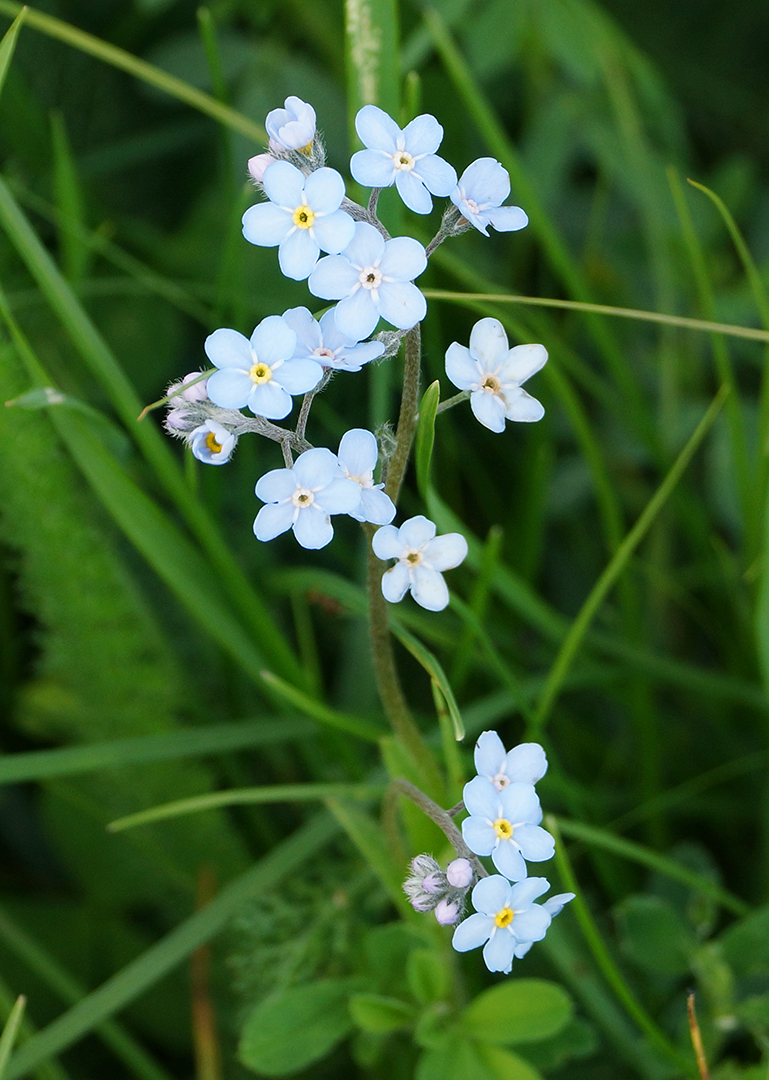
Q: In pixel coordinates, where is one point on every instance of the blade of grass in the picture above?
(617, 565)
(69, 199)
(431, 665)
(425, 436)
(129, 983)
(10, 1031)
(368, 837)
(8, 45)
(353, 725)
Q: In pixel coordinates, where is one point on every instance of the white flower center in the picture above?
(403, 161)
(500, 781)
(303, 217)
(413, 558)
(491, 384)
(323, 351)
(370, 278)
(472, 206)
(303, 498)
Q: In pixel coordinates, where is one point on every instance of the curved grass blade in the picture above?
(425, 436)
(8, 46)
(353, 725)
(438, 676)
(10, 1031)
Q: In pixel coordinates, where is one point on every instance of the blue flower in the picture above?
(421, 557)
(303, 498)
(524, 764)
(323, 343)
(554, 906)
(479, 195)
(211, 443)
(292, 128)
(506, 918)
(259, 373)
(405, 158)
(493, 374)
(372, 278)
(505, 825)
(357, 456)
(301, 217)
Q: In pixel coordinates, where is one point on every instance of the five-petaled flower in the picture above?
(505, 824)
(524, 764)
(291, 128)
(322, 342)
(421, 557)
(479, 195)
(211, 443)
(372, 277)
(303, 499)
(259, 373)
(301, 217)
(506, 918)
(405, 158)
(358, 453)
(493, 374)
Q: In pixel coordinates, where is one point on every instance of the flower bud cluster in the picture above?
(430, 888)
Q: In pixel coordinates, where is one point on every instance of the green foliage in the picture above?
(526, 1010)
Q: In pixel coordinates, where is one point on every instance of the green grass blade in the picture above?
(476, 608)
(425, 436)
(10, 1031)
(140, 69)
(248, 797)
(616, 566)
(372, 56)
(437, 674)
(197, 742)
(69, 200)
(368, 837)
(325, 715)
(8, 45)
(129, 983)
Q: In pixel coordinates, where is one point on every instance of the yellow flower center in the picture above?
(306, 150)
(214, 446)
(303, 217)
(503, 828)
(260, 373)
(504, 917)
(492, 384)
(302, 498)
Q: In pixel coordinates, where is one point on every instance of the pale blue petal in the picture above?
(358, 452)
(403, 258)
(429, 589)
(395, 583)
(491, 894)
(486, 182)
(341, 496)
(521, 363)
(273, 340)
(306, 328)
(316, 468)
(324, 190)
(387, 544)
(526, 892)
(334, 232)
(438, 176)
(488, 409)
(416, 531)
(481, 798)
(507, 218)
(228, 349)
(521, 950)
(461, 369)
(522, 407)
(498, 951)
(413, 192)
(270, 401)
(354, 357)
(422, 135)
(273, 519)
(299, 376)
(376, 129)
(331, 336)
(401, 303)
(478, 834)
(489, 754)
(266, 224)
(509, 861)
(333, 278)
(276, 485)
(526, 763)
(313, 528)
(229, 389)
(520, 802)
(372, 168)
(472, 933)
(367, 246)
(532, 924)
(445, 552)
(356, 316)
(479, 221)
(284, 185)
(536, 843)
(488, 344)
(554, 906)
(376, 506)
(298, 254)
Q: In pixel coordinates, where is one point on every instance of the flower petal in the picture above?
(266, 224)
(273, 519)
(403, 259)
(520, 803)
(316, 468)
(472, 933)
(284, 184)
(299, 376)
(333, 277)
(298, 254)
(507, 218)
(488, 409)
(536, 843)
(481, 798)
(367, 245)
(486, 182)
(463, 371)
(532, 924)
(324, 190)
(372, 168)
(429, 589)
(416, 531)
(386, 543)
(445, 552)
(413, 192)
(491, 894)
(341, 496)
(313, 528)
(276, 485)
(498, 951)
(334, 232)
(356, 316)
(401, 303)
(228, 349)
(526, 892)
(521, 363)
(489, 755)
(376, 129)
(488, 344)
(306, 328)
(270, 400)
(395, 583)
(521, 406)
(352, 358)
(526, 763)
(229, 389)
(554, 906)
(358, 451)
(422, 135)
(509, 861)
(478, 834)
(273, 340)
(438, 176)
(375, 506)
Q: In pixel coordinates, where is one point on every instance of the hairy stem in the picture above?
(307, 400)
(443, 820)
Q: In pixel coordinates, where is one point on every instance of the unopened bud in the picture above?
(257, 165)
(446, 914)
(460, 873)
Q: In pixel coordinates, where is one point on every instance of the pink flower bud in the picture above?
(257, 165)
(446, 914)
(460, 873)
(421, 903)
(197, 392)
(177, 420)
(434, 883)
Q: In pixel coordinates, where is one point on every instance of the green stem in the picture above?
(407, 419)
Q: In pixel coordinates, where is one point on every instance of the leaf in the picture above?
(427, 975)
(503, 1065)
(654, 936)
(369, 839)
(577, 1039)
(10, 1031)
(425, 436)
(433, 668)
(296, 1028)
(517, 1012)
(379, 1015)
(745, 944)
(8, 45)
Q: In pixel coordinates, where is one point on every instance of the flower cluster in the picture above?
(430, 888)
